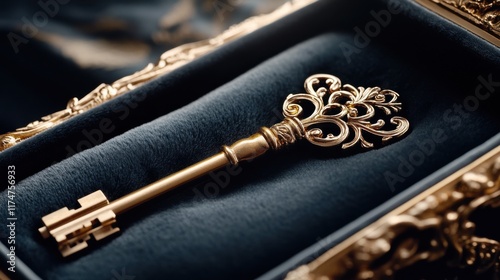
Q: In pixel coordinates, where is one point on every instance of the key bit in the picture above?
(72, 228)
(346, 107)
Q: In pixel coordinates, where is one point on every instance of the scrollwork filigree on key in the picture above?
(348, 108)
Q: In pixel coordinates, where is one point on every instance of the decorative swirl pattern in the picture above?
(347, 108)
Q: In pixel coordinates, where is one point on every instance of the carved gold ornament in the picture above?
(481, 17)
(346, 107)
(168, 62)
(435, 224)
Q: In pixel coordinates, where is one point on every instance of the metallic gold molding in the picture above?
(433, 225)
(169, 61)
(481, 17)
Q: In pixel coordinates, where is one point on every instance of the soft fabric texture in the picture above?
(276, 205)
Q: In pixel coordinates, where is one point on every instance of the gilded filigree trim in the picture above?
(169, 61)
(435, 224)
(484, 13)
(479, 16)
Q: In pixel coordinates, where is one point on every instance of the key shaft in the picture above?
(244, 149)
(71, 228)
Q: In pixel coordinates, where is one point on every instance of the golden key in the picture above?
(345, 106)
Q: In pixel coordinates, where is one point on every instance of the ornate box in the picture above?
(421, 205)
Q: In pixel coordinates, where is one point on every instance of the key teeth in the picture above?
(72, 228)
(67, 249)
(72, 246)
(107, 220)
(93, 199)
(44, 232)
(57, 215)
(104, 232)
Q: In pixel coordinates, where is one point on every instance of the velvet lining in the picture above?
(274, 206)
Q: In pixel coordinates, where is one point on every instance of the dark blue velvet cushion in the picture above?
(279, 204)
